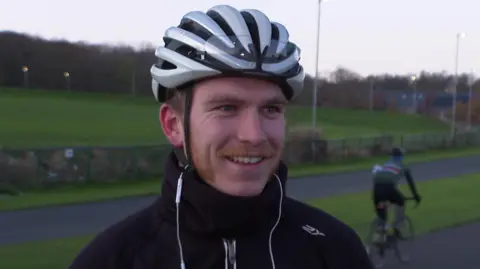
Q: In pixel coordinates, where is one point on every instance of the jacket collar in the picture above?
(205, 210)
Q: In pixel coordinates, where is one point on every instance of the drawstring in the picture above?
(177, 203)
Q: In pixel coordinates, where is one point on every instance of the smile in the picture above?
(246, 160)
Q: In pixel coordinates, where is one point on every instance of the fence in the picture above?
(33, 168)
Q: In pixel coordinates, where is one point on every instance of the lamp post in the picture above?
(454, 99)
(371, 88)
(67, 79)
(315, 81)
(471, 81)
(413, 80)
(25, 76)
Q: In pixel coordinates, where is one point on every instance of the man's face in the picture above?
(237, 133)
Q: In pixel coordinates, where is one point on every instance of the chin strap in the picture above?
(187, 160)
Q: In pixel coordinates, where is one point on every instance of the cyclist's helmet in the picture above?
(397, 152)
(224, 41)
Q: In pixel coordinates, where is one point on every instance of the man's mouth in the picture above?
(246, 160)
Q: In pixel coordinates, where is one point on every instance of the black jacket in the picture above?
(217, 231)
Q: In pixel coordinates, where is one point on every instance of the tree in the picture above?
(122, 68)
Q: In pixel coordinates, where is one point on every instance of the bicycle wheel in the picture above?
(403, 246)
(375, 245)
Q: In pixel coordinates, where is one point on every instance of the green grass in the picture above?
(345, 123)
(46, 118)
(72, 194)
(367, 163)
(55, 254)
(447, 202)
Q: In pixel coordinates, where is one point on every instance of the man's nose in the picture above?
(250, 128)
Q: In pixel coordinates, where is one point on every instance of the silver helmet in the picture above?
(226, 42)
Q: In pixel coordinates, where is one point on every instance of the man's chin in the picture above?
(244, 189)
(247, 192)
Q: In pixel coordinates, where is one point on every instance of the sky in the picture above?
(366, 36)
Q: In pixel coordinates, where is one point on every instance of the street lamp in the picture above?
(454, 99)
(371, 88)
(67, 79)
(315, 81)
(471, 81)
(413, 80)
(25, 76)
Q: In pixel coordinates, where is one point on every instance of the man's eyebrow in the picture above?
(223, 99)
(276, 101)
(233, 100)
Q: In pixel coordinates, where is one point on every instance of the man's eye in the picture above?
(226, 108)
(273, 109)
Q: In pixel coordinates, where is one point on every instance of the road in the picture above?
(455, 248)
(84, 219)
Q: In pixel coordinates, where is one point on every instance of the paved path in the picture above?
(455, 248)
(84, 219)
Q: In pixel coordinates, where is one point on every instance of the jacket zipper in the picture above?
(230, 254)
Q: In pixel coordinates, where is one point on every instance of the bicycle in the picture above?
(389, 240)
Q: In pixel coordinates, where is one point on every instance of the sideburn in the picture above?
(202, 166)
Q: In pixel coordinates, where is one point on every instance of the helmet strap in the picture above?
(186, 127)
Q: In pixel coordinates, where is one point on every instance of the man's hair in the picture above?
(176, 99)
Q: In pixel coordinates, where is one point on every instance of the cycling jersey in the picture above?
(390, 172)
(376, 168)
(219, 231)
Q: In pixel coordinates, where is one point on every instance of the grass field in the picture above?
(447, 202)
(45, 118)
(72, 194)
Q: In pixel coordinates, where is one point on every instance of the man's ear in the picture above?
(172, 126)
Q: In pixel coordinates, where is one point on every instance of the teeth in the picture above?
(247, 160)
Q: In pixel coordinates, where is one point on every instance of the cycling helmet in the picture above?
(397, 152)
(224, 41)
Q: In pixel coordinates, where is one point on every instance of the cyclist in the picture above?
(385, 178)
(225, 77)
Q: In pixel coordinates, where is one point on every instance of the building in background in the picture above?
(433, 101)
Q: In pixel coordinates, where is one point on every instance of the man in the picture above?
(225, 77)
(385, 189)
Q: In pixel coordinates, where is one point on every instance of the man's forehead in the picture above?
(240, 89)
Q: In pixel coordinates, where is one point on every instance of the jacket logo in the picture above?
(311, 230)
